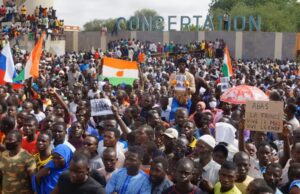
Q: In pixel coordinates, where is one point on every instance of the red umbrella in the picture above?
(243, 93)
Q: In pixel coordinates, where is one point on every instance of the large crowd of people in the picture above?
(159, 139)
(17, 22)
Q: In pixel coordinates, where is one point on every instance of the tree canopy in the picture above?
(276, 15)
(96, 24)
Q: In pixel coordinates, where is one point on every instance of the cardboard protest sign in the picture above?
(100, 107)
(264, 116)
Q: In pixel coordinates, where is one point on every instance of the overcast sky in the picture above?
(78, 12)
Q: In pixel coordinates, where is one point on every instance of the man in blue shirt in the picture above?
(130, 180)
(158, 175)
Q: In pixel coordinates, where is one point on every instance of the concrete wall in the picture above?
(69, 40)
(57, 47)
(150, 36)
(183, 37)
(258, 45)
(228, 37)
(53, 46)
(288, 45)
(87, 40)
(120, 35)
(246, 45)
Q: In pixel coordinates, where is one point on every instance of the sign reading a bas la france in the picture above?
(100, 107)
(264, 116)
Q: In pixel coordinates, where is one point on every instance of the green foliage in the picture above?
(96, 24)
(277, 15)
(192, 28)
(145, 12)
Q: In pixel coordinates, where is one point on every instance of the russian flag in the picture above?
(7, 68)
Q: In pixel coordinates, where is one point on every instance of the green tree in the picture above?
(147, 13)
(192, 28)
(97, 24)
(277, 15)
(94, 25)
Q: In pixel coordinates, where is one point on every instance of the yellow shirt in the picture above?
(193, 144)
(234, 190)
(24, 10)
(202, 45)
(41, 163)
(243, 186)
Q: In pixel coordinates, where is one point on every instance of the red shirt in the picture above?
(2, 11)
(96, 56)
(29, 146)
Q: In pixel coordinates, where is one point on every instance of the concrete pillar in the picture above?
(103, 41)
(166, 37)
(297, 45)
(278, 45)
(133, 35)
(201, 36)
(48, 43)
(238, 45)
(75, 41)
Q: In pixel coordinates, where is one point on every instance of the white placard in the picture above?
(100, 107)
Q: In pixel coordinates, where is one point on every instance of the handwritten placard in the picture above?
(100, 107)
(264, 116)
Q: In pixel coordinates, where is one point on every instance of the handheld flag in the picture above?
(120, 71)
(7, 67)
(32, 66)
(227, 67)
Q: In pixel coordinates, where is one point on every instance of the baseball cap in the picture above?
(171, 133)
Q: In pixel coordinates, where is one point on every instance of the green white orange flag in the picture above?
(120, 71)
(227, 67)
(32, 66)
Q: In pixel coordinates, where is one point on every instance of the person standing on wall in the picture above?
(226, 21)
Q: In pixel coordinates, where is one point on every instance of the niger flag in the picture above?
(227, 67)
(32, 66)
(120, 71)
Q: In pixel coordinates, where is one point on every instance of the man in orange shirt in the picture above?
(141, 57)
(30, 136)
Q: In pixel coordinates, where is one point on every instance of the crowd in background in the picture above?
(16, 23)
(50, 143)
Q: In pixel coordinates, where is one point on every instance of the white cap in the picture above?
(209, 140)
(171, 133)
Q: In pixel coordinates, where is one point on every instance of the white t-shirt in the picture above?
(73, 107)
(91, 93)
(40, 116)
(294, 122)
(120, 153)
